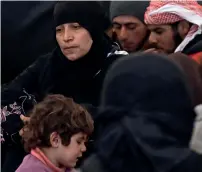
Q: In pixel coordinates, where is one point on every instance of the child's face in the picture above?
(68, 155)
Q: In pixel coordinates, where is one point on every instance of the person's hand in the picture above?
(151, 50)
(74, 170)
(154, 50)
(25, 121)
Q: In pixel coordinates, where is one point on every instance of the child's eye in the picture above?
(79, 142)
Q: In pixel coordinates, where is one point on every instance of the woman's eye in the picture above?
(58, 30)
(76, 26)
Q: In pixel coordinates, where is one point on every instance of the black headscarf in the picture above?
(89, 14)
(68, 77)
(146, 117)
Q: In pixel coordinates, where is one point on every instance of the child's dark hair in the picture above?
(56, 113)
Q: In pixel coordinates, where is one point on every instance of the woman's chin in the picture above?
(72, 57)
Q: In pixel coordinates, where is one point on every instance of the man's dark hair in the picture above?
(177, 38)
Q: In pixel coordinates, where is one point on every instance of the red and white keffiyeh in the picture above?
(170, 11)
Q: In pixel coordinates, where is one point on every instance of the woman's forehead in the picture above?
(69, 24)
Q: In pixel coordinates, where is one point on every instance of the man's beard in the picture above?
(144, 44)
(177, 38)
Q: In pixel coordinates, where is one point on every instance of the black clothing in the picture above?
(89, 14)
(26, 33)
(55, 74)
(194, 46)
(146, 118)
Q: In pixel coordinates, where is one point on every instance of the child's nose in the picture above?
(83, 148)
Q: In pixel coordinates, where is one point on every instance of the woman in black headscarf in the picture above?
(76, 68)
(146, 119)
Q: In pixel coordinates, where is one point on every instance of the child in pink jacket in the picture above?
(55, 135)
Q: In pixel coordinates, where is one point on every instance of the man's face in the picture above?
(162, 37)
(130, 32)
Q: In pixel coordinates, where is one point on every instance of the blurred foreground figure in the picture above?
(146, 119)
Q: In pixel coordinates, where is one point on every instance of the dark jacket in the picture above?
(194, 49)
(27, 32)
(191, 164)
(194, 46)
(55, 74)
(145, 120)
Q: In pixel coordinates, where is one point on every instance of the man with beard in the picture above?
(129, 28)
(176, 26)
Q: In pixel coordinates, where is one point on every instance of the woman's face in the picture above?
(74, 40)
